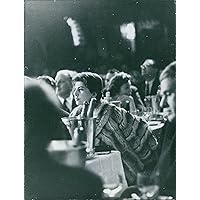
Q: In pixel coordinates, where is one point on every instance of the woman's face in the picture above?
(125, 89)
(81, 93)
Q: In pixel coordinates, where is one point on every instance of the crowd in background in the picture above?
(131, 86)
(120, 99)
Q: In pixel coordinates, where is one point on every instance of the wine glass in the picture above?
(148, 185)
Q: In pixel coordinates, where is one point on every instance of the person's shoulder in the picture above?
(117, 113)
(103, 106)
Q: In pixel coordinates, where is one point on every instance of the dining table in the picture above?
(108, 165)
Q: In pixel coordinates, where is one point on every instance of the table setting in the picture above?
(108, 164)
(146, 188)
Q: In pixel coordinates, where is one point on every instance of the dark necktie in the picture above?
(65, 106)
(147, 89)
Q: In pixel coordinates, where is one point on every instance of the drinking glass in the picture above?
(89, 131)
(148, 185)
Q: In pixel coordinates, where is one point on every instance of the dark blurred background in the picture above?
(49, 43)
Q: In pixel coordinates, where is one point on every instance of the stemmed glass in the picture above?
(148, 185)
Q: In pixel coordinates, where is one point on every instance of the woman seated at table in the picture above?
(120, 89)
(115, 127)
(45, 178)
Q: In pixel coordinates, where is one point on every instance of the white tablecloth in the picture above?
(109, 167)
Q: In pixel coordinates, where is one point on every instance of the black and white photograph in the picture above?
(99, 99)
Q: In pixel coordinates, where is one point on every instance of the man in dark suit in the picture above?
(64, 89)
(150, 73)
(166, 165)
(44, 177)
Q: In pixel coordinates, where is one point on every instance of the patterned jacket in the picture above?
(119, 130)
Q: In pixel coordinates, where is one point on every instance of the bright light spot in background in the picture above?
(70, 21)
(75, 30)
(128, 31)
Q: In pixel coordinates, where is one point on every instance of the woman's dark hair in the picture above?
(117, 81)
(92, 81)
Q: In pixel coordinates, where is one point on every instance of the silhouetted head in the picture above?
(41, 115)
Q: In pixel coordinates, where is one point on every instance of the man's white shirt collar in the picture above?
(68, 101)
